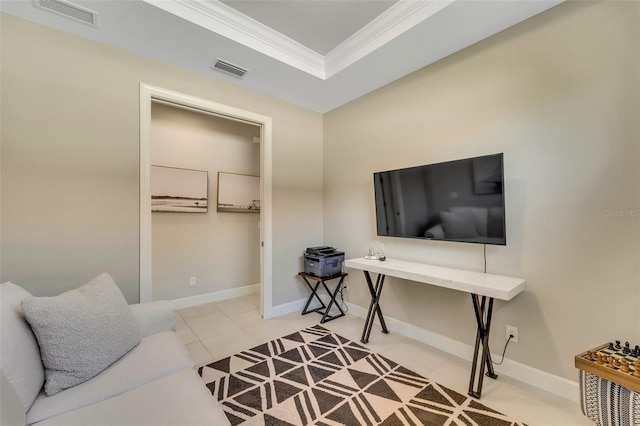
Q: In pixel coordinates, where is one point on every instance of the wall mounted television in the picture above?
(461, 200)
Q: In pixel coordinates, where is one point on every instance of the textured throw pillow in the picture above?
(81, 332)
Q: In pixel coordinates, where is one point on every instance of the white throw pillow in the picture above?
(19, 356)
(81, 332)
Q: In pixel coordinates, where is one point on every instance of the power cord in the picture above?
(511, 335)
(485, 258)
(345, 308)
(504, 351)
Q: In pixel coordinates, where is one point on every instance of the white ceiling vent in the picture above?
(230, 68)
(75, 12)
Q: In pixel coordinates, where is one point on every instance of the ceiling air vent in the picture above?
(230, 68)
(69, 10)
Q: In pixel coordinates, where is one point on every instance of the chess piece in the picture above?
(618, 344)
(636, 351)
(614, 362)
(591, 355)
(600, 360)
(611, 348)
(626, 349)
(636, 371)
(624, 366)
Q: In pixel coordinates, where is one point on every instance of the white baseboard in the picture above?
(532, 376)
(297, 306)
(216, 296)
(287, 308)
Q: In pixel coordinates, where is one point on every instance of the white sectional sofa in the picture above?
(153, 384)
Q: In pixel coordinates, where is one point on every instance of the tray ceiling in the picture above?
(318, 54)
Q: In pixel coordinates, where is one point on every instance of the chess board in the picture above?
(613, 362)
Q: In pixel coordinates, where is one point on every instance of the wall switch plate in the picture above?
(512, 331)
(192, 281)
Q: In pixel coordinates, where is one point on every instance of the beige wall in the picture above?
(559, 95)
(222, 250)
(70, 161)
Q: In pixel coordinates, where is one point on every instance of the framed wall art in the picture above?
(177, 190)
(238, 193)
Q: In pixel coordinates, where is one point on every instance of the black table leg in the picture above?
(326, 317)
(323, 309)
(377, 292)
(483, 322)
(374, 307)
(313, 293)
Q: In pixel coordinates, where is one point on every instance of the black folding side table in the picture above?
(322, 309)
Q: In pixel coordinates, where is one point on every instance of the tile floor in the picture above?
(217, 330)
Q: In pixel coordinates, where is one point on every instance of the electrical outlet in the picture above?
(512, 331)
(192, 281)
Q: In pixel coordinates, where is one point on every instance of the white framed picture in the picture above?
(176, 190)
(238, 193)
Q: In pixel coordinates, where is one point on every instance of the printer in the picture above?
(323, 261)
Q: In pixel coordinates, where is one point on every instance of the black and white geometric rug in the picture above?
(315, 377)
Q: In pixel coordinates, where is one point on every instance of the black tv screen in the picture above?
(461, 200)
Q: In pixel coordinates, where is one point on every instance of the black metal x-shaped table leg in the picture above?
(374, 307)
(313, 293)
(483, 321)
(324, 310)
(326, 317)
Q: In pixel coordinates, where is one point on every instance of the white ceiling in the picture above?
(319, 25)
(318, 54)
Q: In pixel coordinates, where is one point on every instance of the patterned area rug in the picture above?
(317, 377)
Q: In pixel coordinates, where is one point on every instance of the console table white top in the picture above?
(495, 286)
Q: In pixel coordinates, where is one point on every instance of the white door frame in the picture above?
(147, 95)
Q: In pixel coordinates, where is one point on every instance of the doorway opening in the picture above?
(148, 96)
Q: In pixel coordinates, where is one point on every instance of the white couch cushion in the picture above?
(155, 356)
(19, 352)
(178, 399)
(81, 332)
(154, 317)
(11, 410)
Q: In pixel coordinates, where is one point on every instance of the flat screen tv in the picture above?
(461, 200)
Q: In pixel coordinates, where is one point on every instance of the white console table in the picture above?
(484, 288)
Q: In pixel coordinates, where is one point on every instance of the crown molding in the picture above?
(224, 20)
(228, 22)
(459, 25)
(399, 18)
